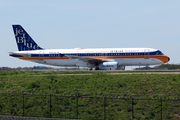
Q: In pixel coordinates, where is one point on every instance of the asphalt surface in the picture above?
(144, 73)
(123, 73)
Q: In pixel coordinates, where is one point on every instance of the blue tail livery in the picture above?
(23, 40)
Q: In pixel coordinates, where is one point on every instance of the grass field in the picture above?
(91, 84)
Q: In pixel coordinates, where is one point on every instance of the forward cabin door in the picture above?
(41, 56)
(103, 55)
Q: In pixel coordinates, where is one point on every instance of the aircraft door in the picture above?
(103, 55)
(41, 56)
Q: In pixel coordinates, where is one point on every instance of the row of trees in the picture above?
(170, 66)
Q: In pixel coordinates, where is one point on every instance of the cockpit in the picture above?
(159, 53)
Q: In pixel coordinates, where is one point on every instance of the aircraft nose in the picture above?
(168, 59)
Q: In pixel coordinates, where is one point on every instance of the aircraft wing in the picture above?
(92, 61)
(19, 54)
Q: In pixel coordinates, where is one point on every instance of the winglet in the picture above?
(23, 40)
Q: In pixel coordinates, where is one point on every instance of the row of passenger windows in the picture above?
(107, 54)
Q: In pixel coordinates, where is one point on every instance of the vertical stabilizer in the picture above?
(23, 40)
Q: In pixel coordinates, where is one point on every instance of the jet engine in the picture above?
(108, 66)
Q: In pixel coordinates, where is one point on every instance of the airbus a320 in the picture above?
(100, 59)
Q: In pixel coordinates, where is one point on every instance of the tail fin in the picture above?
(24, 41)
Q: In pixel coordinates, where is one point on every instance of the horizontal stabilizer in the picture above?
(19, 54)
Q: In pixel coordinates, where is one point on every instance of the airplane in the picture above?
(100, 58)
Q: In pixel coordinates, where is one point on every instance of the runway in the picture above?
(143, 73)
(120, 73)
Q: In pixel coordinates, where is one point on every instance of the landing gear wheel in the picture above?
(96, 68)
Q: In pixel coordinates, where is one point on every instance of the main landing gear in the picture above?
(96, 68)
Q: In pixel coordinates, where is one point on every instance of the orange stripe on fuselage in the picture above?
(163, 58)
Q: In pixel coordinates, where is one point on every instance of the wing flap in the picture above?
(92, 61)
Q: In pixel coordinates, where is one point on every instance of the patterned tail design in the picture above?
(24, 41)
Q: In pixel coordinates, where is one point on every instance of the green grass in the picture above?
(98, 82)
(94, 90)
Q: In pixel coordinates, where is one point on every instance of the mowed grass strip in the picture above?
(130, 84)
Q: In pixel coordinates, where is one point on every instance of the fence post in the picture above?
(10, 101)
(23, 104)
(161, 108)
(104, 108)
(132, 108)
(77, 105)
(50, 105)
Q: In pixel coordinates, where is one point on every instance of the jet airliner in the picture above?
(100, 59)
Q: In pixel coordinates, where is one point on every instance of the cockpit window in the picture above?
(159, 53)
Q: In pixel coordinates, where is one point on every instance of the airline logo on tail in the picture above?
(24, 41)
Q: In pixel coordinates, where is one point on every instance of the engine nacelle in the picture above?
(108, 66)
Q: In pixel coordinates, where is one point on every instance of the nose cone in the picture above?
(165, 59)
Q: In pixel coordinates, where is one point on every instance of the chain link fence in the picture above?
(88, 107)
